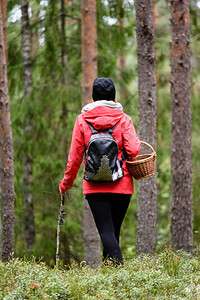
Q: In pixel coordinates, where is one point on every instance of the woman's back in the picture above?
(104, 114)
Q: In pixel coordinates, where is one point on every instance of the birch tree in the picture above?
(181, 165)
(147, 192)
(7, 161)
(89, 70)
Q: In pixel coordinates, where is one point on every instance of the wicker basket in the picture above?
(143, 165)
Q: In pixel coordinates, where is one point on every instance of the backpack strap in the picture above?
(124, 154)
(109, 130)
(92, 128)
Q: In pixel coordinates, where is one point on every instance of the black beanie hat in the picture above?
(103, 89)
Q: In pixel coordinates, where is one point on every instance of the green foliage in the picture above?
(51, 109)
(168, 275)
(54, 105)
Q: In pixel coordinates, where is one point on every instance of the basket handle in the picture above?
(153, 151)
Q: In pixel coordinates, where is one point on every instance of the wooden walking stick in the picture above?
(60, 222)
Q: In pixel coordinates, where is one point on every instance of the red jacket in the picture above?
(124, 133)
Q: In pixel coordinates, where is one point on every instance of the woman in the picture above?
(108, 200)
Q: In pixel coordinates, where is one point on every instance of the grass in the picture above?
(168, 275)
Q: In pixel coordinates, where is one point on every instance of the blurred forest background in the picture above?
(54, 104)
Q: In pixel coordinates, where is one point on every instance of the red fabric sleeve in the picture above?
(130, 140)
(74, 159)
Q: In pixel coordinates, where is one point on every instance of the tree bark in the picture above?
(89, 48)
(147, 192)
(34, 35)
(122, 57)
(181, 164)
(63, 44)
(89, 69)
(4, 17)
(28, 160)
(63, 56)
(7, 160)
(155, 14)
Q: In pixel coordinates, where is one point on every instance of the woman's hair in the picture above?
(103, 89)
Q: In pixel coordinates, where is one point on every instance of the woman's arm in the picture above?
(130, 140)
(74, 159)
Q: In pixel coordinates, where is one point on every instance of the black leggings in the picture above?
(109, 210)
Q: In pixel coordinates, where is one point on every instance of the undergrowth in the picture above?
(169, 275)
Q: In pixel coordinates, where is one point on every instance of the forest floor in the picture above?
(167, 275)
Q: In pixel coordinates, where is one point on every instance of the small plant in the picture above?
(172, 261)
(168, 275)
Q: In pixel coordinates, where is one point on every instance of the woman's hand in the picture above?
(61, 193)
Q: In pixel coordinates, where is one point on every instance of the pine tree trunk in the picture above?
(89, 48)
(147, 192)
(89, 69)
(63, 44)
(181, 165)
(65, 66)
(35, 35)
(122, 58)
(7, 161)
(28, 160)
(155, 14)
(4, 17)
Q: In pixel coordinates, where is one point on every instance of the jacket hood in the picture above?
(102, 114)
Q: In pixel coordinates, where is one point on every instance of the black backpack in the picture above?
(102, 164)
